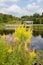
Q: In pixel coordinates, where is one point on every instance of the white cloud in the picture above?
(2, 2)
(40, 10)
(21, 11)
(39, 1)
(14, 0)
(18, 11)
(19, 0)
(15, 9)
(32, 6)
(3, 10)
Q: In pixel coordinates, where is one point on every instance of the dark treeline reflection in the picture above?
(6, 32)
(37, 33)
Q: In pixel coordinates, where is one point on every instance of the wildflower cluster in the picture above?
(17, 53)
(23, 36)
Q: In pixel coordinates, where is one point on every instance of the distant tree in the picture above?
(25, 18)
(36, 15)
(42, 15)
(42, 20)
(36, 18)
(5, 19)
(1, 20)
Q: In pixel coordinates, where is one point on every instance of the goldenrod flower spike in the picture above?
(26, 48)
(16, 39)
(10, 50)
(23, 35)
(32, 54)
(3, 37)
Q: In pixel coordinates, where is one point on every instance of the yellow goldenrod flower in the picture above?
(23, 36)
(19, 48)
(10, 50)
(3, 37)
(32, 54)
(25, 47)
(29, 33)
(27, 41)
(21, 32)
(16, 39)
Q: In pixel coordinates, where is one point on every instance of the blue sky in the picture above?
(21, 7)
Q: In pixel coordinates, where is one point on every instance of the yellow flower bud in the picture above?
(32, 54)
(10, 50)
(16, 39)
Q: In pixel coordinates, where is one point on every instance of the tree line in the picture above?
(5, 18)
(36, 18)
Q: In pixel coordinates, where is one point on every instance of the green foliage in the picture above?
(17, 57)
(5, 18)
(36, 18)
(3, 51)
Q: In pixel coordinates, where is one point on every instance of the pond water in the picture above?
(37, 42)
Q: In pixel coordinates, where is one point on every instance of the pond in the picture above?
(37, 42)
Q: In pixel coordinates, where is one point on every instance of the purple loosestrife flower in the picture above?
(10, 39)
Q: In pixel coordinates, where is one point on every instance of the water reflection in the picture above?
(38, 32)
(37, 42)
